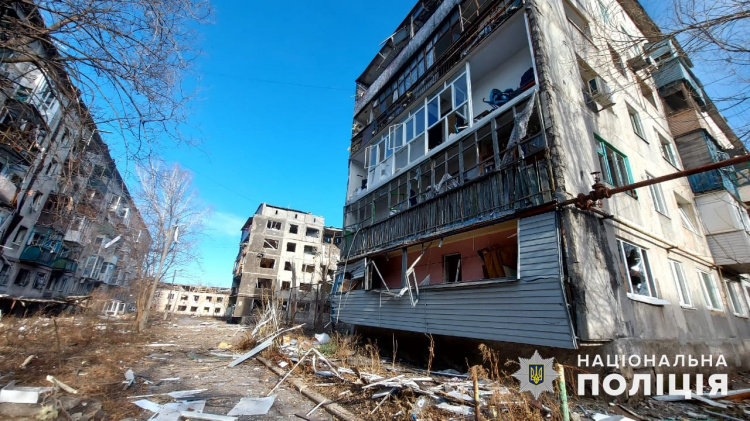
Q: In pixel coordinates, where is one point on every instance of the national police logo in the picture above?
(536, 374)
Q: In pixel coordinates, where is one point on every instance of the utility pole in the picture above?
(171, 234)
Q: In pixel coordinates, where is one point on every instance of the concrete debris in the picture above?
(19, 394)
(253, 406)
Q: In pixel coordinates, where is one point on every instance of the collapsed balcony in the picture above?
(502, 282)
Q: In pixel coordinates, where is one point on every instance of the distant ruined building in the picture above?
(288, 257)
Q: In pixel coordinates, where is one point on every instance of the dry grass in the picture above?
(84, 351)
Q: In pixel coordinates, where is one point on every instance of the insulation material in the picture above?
(419, 38)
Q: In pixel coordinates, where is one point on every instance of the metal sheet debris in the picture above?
(20, 394)
(206, 416)
(182, 394)
(173, 411)
(148, 405)
(253, 406)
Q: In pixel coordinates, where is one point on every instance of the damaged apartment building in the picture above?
(288, 257)
(191, 300)
(476, 126)
(67, 221)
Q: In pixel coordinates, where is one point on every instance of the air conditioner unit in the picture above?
(640, 62)
(600, 92)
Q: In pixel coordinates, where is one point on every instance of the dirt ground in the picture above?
(92, 355)
(191, 360)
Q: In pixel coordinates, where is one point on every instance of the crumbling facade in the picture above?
(288, 256)
(67, 221)
(473, 125)
(191, 300)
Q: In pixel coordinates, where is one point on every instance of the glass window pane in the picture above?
(419, 122)
(433, 112)
(459, 91)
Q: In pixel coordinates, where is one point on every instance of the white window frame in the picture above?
(657, 196)
(687, 214)
(678, 274)
(703, 276)
(738, 294)
(666, 147)
(650, 282)
(636, 123)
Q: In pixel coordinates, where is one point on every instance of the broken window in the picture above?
(303, 307)
(20, 235)
(637, 269)
(4, 274)
(682, 287)
(311, 250)
(184, 297)
(617, 61)
(312, 232)
(272, 244)
(264, 283)
(219, 299)
(292, 247)
(305, 287)
(206, 309)
(273, 225)
(710, 292)
(452, 268)
(287, 265)
(308, 268)
(209, 298)
(293, 229)
(193, 309)
(167, 307)
(40, 281)
(499, 261)
(285, 285)
(196, 298)
(217, 310)
(647, 92)
(267, 263)
(181, 308)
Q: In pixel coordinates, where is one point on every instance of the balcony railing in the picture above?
(523, 184)
(721, 179)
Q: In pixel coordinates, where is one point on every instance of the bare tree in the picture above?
(124, 58)
(716, 34)
(174, 216)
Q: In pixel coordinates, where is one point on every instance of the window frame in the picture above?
(666, 147)
(681, 282)
(650, 281)
(657, 196)
(704, 276)
(738, 295)
(636, 123)
(601, 150)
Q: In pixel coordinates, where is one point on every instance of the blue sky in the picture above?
(274, 109)
(274, 105)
